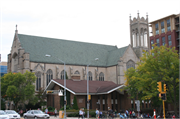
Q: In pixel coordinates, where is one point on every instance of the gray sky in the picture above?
(94, 21)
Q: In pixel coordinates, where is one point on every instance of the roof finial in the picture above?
(138, 13)
(16, 26)
(146, 14)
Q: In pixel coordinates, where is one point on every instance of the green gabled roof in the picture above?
(115, 55)
(71, 52)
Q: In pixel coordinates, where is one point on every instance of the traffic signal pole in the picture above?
(164, 109)
(162, 94)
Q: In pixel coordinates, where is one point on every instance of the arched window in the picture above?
(38, 80)
(134, 39)
(49, 76)
(137, 38)
(130, 64)
(90, 76)
(77, 72)
(142, 40)
(101, 76)
(145, 38)
(62, 74)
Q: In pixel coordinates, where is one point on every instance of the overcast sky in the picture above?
(93, 21)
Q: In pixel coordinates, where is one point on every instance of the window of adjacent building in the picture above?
(157, 41)
(38, 80)
(90, 76)
(62, 74)
(169, 40)
(152, 42)
(130, 64)
(101, 76)
(163, 41)
(49, 76)
(157, 28)
(168, 25)
(162, 27)
(142, 104)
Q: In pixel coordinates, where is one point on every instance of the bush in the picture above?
(75, 106)
(73, 114)
(67, 107)
(50, 109)
(93, 114)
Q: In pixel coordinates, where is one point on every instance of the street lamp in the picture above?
(96, 59)
(64, 84)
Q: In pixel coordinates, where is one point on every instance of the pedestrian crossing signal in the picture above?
(163, 96)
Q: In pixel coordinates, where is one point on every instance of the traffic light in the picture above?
(159, 86)
(165, 89)
(49, 92)
(163, 96)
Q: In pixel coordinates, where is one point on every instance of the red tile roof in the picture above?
(80, 86)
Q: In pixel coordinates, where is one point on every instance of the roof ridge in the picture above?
(68, 40)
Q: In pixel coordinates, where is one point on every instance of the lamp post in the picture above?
(88, 88)
(64, 85)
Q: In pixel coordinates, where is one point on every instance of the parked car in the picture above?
(3, 115)
(35, 114)
(51, 113)
(12, 114)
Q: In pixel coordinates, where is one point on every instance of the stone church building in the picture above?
(30, 53)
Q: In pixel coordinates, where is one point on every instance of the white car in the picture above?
(36, 114)
(12, 114)
(3, 115)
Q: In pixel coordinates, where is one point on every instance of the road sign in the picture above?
(52, 91)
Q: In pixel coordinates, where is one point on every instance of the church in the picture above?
(51, 58)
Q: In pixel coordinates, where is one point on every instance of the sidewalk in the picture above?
(52, 117)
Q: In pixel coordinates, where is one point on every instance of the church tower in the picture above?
(139, 34)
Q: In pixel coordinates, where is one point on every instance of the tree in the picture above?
(40, 98)
(75, 106)
(160, 64)
(19, 87)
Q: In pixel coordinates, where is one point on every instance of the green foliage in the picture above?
(19, 87)
(2, 104)
(61, 101)
(40, 98)
(67, 107)
(50, 108)
(160, 64)
(68, 97)
(75, 106)
(73, 114)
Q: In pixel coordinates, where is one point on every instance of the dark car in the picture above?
(35, 114)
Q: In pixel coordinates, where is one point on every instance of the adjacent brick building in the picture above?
(166, 31)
